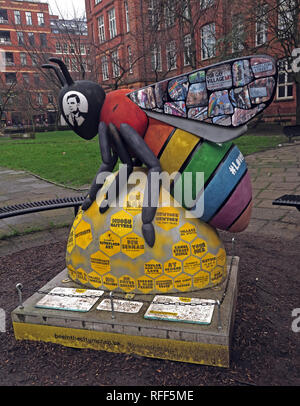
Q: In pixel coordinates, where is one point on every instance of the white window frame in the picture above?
(101, 29)
(58, 47)
(23, 58)
(238, 33)
(41, 19)
(28, 16)
(156, 61)
(187, 42)
(127, 19)
(112, 23)
(205, 4)
(261, 26)
(284, 70)
(129, 52)
(286, 14)
(115, 64)
(208, 41)
(171, 53)
(104, 67)
(17, 17)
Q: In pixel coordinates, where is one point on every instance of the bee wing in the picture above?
(215, 102)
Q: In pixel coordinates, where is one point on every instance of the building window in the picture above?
(34, 60)
(261, 25)
(154, 14)
(97, 2)
(208, 41)
(82, 49)
(25, 78)
(17, 16)
(170, 13)
(43, 40)
(171, 55)
(65, 48)
(156, 58)
(238, 33)
(112, 23)
(9, 59)
(36, 79)
(104, 67)
(10, 78)
(31, 38)
(71, 49)
(23, 58)
(285, 81)
(101, 29)
(129, 59)
(187, 42)
(286, 18)
(39, 99)
(58, 48)
(3, 16)
(206, 3)
(127, 16)
(41, 19)
(28, 18)
(115, 64)
(20, 36)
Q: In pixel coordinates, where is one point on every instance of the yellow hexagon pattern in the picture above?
(181, 250)
(127, 283)
(145, 284)
(109, 243)
(172, 267)
(133, 245)
(134, 203)
(121, 223)
(83, 234)
(153, 268)
(167, 218)
(199, 247)
(100, 263)
(188, 232)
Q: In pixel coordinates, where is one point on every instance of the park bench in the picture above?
(291, 131)
(34, 207)
(288, 200)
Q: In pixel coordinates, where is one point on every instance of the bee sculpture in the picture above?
(181, 124)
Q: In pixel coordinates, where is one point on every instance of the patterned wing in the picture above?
(217, 100)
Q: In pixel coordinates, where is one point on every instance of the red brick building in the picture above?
(29, 35)
(139, 42)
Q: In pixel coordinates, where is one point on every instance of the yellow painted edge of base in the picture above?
(174, 350)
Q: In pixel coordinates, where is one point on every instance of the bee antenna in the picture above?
(64, 70)
(58, 73)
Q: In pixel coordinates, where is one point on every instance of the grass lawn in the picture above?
(65, 158)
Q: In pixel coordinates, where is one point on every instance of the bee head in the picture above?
(80, 102)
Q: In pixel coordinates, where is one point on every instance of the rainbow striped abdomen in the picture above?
(227, 185)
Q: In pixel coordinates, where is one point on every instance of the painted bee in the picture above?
(181, 124)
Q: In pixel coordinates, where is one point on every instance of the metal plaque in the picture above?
(182, 309)
(121, 306)
(77, 300)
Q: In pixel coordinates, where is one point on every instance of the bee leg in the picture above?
(126, 168)
(151, 197)
(109, 161)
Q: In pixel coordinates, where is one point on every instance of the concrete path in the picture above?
(274, 173)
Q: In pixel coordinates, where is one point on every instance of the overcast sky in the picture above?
(66, 8)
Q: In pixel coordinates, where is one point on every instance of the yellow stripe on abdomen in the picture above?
(178, 149)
